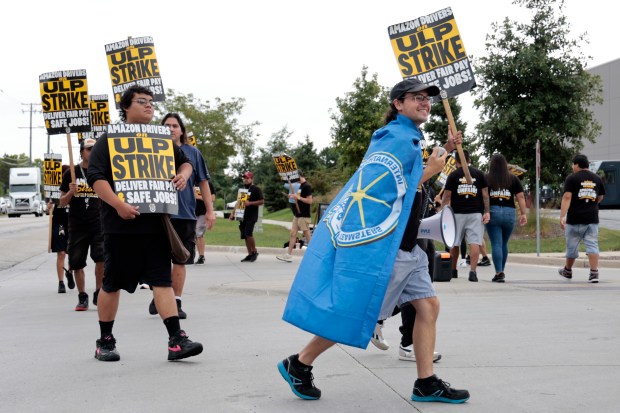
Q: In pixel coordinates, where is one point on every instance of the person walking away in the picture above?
(504, 189)
(583, 192)
(470, 203)
(301, 219)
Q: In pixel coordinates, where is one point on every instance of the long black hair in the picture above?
(499, 177)
(178, 118)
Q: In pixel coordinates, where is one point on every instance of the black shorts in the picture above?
(134, 258)
(80, 240)
(59, 238)
(246, 228)
(186, 228)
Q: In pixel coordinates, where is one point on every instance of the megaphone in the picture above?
(440, 227)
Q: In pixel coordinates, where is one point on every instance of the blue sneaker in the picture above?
(300, 380)
(437, 391)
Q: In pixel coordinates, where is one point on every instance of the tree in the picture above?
(219, 136)
(359, 113)
(534, 86)
(13, 161)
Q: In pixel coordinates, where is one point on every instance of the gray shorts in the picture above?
(469, 226)
(409, 281)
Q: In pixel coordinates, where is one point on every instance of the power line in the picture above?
(32, 110)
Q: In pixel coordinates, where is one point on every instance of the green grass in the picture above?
(226, 232)
(523, 239)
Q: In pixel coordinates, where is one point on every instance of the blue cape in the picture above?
(339, 287)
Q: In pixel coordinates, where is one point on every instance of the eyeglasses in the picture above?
(143, 102)
(418, 98)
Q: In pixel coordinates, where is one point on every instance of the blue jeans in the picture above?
(499, 228)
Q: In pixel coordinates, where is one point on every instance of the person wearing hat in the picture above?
(84, 225)
(402, 270)
(250, 215)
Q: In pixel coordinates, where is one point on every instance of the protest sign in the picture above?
(64, 98)
(133, 62)
(142, 160)
(52, 175)
(286, 166)
(191, 138)
(430, 49)
(242, 196)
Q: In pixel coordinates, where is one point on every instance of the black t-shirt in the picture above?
(85, 204)
(585, 187)
(201, 209)
(465, 198)
(251, 212)
(100, 169)
(305, 190)
(505, 197)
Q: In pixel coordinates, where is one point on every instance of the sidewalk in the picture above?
(537, 343)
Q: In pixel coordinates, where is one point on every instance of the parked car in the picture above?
(4, 205)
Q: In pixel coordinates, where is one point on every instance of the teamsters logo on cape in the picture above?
(369, 209)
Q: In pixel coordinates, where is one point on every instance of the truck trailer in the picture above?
(25, 192)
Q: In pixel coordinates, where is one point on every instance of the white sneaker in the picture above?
(463, 263)
(377, 338)
(285, 257)
(407, 354)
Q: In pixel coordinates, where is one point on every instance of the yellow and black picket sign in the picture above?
(142, 159)
(242, 196)
(133, 62)
(431, 50)
(52, 175)
(287, 168)
(66, 108)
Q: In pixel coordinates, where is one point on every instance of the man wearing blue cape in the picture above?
(359, 257)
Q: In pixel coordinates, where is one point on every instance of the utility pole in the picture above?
(32, 110)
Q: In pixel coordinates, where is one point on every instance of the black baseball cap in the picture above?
(412, 85)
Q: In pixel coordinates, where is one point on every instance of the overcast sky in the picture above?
(288, 59)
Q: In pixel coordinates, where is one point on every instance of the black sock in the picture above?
(172, 325)
(298, 364)
(106, 328)
(429, 380)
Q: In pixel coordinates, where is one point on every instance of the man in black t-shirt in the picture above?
(470, 203)
(250, 216)
(301, 221)
(84, 225)
(583, 191)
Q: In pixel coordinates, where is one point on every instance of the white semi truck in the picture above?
(25, 192)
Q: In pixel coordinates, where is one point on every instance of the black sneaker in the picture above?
(484, 262)
(70, 280)
(180, 347)
(248, 258)
(152, 308)
(254, 256)
(499, 278)
(82, 302)
(566, 273)
(95, 295)
(61, 287)
(593, 277)
(437, 391)
(106, 349)
(200, 260)
(473, 277)
(455, 273)
(301, 381)
(182, 314)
